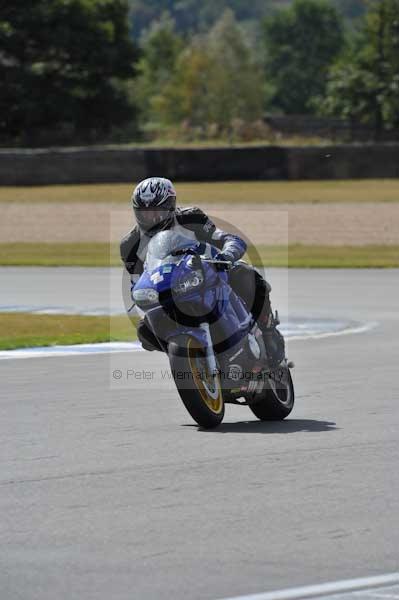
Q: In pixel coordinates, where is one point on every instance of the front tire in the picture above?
(200, 391)
(278, 399)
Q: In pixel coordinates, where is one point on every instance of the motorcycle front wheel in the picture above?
(278, 399)
(200, 390)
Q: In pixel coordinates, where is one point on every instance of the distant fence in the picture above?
(126, 164)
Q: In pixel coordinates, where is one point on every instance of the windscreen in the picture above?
(162, 245)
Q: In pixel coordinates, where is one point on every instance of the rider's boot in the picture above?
(274, 341)
(148, 340)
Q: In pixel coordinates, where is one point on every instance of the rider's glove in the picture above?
(224, 256)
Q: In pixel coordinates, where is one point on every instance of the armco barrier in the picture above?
(70, 165)
(343, 162)
(127, 164)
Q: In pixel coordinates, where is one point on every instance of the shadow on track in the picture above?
(288, 426)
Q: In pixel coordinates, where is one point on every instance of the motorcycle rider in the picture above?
(154, 205)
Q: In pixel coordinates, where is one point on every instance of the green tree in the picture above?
(235, 80)
(160, 50)
(352, 9)
(63, 64)
(364, 85)
(216, 81)
(194, 16)
(301, 44)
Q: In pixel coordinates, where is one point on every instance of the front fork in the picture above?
(210, 354)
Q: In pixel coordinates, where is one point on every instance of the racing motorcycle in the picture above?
(216, 350)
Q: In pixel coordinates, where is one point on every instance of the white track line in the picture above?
(61, 310)
(325, 589)
(374, 594)
(104, 348)
(73, 350)
(361, 328)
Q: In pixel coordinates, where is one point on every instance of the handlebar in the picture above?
(224, 265)
(221, 265)
(183, 251)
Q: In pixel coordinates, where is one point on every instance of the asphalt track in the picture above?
(109, 491)
(62, 289)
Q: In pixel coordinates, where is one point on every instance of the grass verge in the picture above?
(257, 192)
(25, 330)
(89, 254)
(324, 257)
(296, 255)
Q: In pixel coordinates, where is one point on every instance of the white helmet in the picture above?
(154, 204)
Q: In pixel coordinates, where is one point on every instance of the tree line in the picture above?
(65, 68)
(74, 71)
(193, 16)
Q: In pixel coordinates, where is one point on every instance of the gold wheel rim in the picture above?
(215, 405)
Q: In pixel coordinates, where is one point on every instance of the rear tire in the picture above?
(278, 400)
(200, 391)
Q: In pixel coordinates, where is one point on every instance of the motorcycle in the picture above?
(216, 350)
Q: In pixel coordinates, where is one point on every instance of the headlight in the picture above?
(145, 297)
(193, 280)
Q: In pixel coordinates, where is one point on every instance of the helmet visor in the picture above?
(149, 218)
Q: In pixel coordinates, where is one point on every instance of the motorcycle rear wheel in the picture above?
(278, 399)
(200, 391)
